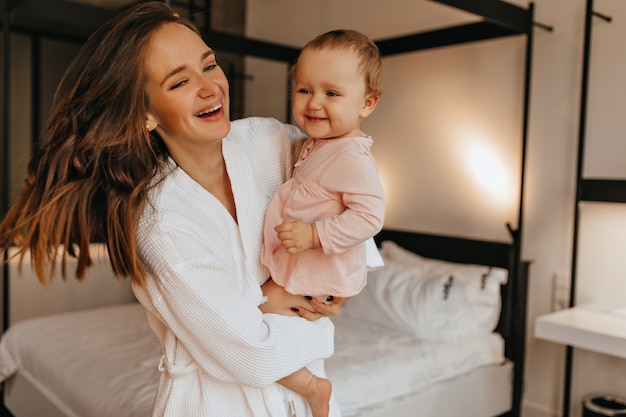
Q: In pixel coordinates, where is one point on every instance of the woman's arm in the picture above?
(203, 297)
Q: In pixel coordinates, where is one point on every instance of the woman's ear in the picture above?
(371, 100)
(151, 122)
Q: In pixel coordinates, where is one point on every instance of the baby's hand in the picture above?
(296, 236)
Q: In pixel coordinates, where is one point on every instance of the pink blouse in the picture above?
(335, 184)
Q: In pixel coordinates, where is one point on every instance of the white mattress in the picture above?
(373, 365)
(103, 362)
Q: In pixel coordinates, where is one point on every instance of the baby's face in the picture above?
(330, 98)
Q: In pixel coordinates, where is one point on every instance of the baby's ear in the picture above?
(371, 100)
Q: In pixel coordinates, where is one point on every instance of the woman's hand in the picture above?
(280, 301)
(320, 309)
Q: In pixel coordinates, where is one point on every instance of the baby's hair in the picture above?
(364, 47)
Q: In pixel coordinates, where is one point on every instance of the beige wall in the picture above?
(437, 102)
(554, 124)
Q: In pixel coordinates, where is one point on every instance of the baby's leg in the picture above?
(316, 390)
(280, 301)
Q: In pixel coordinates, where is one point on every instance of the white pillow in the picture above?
(482, 282)
(431, 299)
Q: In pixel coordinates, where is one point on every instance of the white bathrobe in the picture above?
(221, 355)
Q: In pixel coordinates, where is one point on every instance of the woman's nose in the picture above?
(208, 87)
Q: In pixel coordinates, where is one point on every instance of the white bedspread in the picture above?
(103, 362)
(373, 364)
(93, 363)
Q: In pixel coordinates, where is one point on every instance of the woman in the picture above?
(140, 153)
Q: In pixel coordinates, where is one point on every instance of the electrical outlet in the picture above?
(560, 290)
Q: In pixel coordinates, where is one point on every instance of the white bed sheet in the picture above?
(371, 364)
(120, 381)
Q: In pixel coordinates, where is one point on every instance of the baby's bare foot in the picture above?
(319, 399)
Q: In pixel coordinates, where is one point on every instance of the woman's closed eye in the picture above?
(207, 68)
(179, 84)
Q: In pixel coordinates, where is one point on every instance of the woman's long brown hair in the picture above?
(88, 180)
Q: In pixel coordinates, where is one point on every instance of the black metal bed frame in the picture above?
(512, 322)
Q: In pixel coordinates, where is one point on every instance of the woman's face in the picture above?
(187, 91)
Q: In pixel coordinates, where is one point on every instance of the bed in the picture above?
(441, 357)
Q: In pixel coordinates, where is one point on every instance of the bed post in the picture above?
(518, 292)
(515, 337)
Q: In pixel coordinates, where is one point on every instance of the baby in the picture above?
(320, 222)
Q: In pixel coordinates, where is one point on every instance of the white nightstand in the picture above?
(587, 327)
